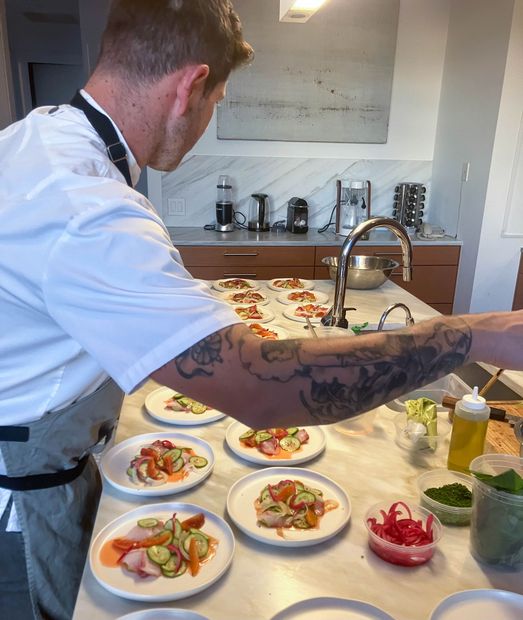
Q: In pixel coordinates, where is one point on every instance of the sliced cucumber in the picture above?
(198, 408)
(171, 573)
(292, 430)
(247, 434)
(178, 464)
(262, 436)
(299, 485)
(290, 443)
(158, 554)
(202, 543)
(301, 523)
(265, 494)
(177, 529)
(304, 496)
(198, 461)
(173, 454)
(150, 522)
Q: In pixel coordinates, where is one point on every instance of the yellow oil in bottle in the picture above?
(469, 429)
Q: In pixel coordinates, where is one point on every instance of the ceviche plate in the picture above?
(243, 284)
(265, 315)
(331, 608)
(155, 406)
(116, 461)
(286, 297)
(275, 285)
(260, 299)
(314, 446)
(163, 613)
(244, 492)
(290, 313)
(481, 604)
(128, 585)
(279, 331)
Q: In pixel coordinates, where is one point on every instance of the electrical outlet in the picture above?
(465, 171)
(176, 206)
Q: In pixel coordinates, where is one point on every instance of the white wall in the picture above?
(475, 61)
(422, 34)
(420, 51)
(501, 237)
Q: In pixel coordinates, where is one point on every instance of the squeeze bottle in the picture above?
(469, 428)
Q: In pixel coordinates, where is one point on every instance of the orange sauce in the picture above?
(109, 555)
(177, 476)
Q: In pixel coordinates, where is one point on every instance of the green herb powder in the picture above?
(455, 494)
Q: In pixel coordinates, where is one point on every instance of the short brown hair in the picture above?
(148, 39)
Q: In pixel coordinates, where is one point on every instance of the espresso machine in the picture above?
(352, 204)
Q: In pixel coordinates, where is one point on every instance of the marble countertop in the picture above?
(362, 456)
(199, 236)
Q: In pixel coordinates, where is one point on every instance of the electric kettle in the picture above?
(259, 213)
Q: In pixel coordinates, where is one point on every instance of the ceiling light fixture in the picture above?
(298, 11)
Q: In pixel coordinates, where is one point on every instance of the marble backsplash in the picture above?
(282, 178)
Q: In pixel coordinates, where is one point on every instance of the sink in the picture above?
(372, 328)
(450, 385)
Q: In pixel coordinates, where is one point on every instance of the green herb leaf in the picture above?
(509, 481)
(358, 328)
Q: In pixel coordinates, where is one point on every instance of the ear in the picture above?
(191, 80)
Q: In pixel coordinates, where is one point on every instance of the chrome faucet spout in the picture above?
(336, 316)
(409, 321)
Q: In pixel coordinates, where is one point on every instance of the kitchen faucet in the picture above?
(336, 316)
(409, 321)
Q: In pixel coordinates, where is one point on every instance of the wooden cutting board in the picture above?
(500, 435)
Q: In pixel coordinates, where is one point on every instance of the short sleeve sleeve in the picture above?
(115, 283)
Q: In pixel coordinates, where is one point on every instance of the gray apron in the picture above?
(57, 522)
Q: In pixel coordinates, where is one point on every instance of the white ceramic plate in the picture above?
(282, 333)
(114, 464)
(155, 405)
(160, 589)
(290, 310)
(307, 285)
(228, 298)
(481, 605)
(308, 451)
(241, 497)
(266, 314)
(320, 298)
(218, 285)
(165, 613)
(330, 608)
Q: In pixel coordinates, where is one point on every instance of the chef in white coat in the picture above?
(94, 298)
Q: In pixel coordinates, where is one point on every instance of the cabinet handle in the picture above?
(240, 253)
(239, 275)
(388, 254)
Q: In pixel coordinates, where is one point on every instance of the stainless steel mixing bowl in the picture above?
(365, 272)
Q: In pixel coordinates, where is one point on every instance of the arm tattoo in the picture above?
(337, 385)
(199, 360)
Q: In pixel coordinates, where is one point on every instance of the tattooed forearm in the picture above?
(200, 359)
(337, 383)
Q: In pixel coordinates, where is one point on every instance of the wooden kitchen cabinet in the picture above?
(434, 271)
(435, 268)
(255, 262)
(518, 293)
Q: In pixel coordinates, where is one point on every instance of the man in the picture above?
(91, 287)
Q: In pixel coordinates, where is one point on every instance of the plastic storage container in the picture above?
(496, 528)
(469, 428)
(448, 515)
(402, 554)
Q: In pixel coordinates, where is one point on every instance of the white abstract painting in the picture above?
(327, 80)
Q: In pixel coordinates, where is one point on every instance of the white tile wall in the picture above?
(282, 178)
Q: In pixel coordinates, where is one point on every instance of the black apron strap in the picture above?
(115, 149)
(43, 481)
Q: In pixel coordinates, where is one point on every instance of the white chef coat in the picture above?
(90, 283)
